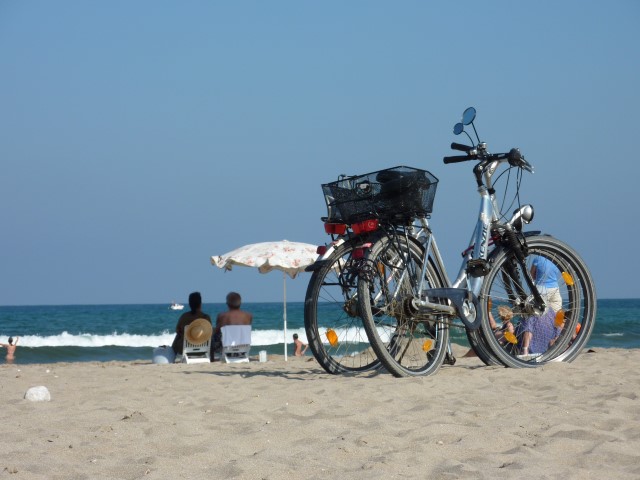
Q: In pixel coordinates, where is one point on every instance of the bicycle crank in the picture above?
(465, 304)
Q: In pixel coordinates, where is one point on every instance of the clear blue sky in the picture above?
(138, 138)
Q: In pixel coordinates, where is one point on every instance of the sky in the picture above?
(138, 139)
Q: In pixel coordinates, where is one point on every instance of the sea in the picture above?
(103, 333)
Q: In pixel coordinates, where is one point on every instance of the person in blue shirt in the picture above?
(546, 275)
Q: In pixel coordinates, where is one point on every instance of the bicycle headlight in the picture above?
(522, 215)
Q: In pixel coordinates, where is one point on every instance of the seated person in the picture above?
(505, 333)
(195, 303)
(539, 333)
(500, 331)
(506, 315)
(233, 316)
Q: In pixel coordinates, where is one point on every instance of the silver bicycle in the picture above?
(514, 312)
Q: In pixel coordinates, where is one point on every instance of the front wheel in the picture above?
(408, 343)
(518, 335)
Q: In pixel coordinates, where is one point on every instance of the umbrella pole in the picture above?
(284, 283)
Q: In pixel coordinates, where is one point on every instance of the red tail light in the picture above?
(360, 251)
(321, 250)
(335, 228)
(365, 227)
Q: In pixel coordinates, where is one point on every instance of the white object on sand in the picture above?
(38, 394)
(163, 354)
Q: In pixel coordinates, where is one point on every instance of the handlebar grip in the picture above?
(461, 147)
(458, 158)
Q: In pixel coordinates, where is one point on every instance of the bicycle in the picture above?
(332, 320)
(407, 302)
(341, 344)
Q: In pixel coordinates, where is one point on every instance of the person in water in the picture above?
(300, 346)
(11, 348)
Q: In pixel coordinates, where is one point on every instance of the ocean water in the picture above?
(80, 333)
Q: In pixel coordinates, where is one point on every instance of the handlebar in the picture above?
(515, 158)
(489, 157)
(459, 158)
(461, 147)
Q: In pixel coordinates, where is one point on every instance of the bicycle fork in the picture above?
(532, 304)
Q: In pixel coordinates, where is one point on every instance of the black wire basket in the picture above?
(395, 194)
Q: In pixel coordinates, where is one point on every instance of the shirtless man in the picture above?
(11, 349)
(233, 316)
(301, 347)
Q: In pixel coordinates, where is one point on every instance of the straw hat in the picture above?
(198, 331)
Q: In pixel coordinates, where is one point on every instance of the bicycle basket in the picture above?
(395, 194)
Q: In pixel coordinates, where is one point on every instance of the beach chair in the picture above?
(236, 343)
(197, 342)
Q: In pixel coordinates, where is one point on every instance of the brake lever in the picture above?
(516, 159)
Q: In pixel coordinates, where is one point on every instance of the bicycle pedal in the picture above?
(478, 267)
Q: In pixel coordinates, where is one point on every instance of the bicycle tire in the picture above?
(481, 348)
(333, 326)
(503, 285)
(405, 342)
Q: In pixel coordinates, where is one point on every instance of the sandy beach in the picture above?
(281, 420)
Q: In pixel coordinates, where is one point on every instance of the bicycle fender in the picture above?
(322, 259)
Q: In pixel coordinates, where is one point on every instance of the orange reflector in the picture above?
(332, 336)
(427, 346)
(559, 318)
(578, 327)
(568, 279)
(510, 337)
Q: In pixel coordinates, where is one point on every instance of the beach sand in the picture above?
(282, 420)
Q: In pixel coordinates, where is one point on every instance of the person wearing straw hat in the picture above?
(199, 331)
(187, 318)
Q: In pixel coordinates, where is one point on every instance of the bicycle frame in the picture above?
(462, 294)
(464, 290)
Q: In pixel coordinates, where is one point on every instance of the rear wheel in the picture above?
(406, 342)
(334, 328)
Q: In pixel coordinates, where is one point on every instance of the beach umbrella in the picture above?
(288, 257)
